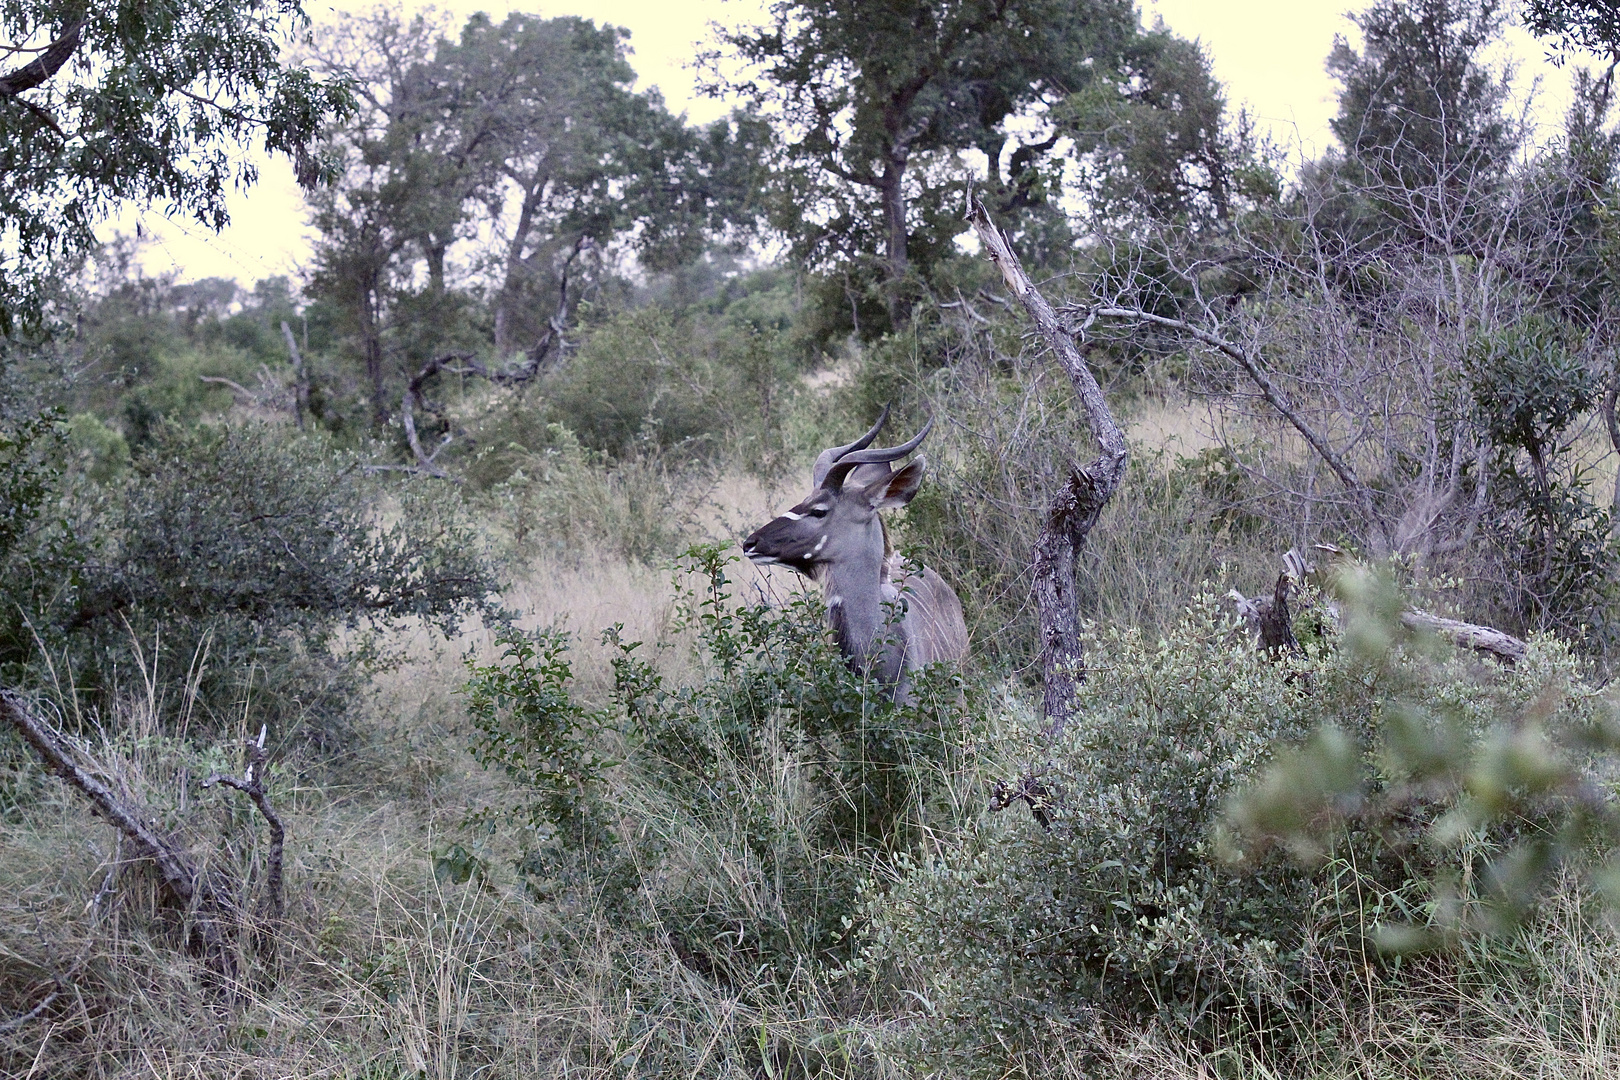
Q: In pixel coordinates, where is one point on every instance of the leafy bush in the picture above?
(1016, 934)
(41, 552)
(530, 726)
(559, 497)
(1529, 385)
(645, 379)
(1506, 798)
(749, 806)
(239, 572)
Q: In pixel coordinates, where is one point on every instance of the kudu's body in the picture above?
(889, 618)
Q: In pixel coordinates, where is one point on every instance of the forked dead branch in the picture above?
(1073, 511)
(208, 901)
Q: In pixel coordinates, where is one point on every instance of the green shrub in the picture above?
(42, 553)
(1505, 798)
(1017, 936)
(241, 572)
(558, 497)
(531, 727)
(645, 379)
(1559, 558)
(748, 806)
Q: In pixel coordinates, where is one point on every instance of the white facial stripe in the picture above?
(791, 516)
(819, 545)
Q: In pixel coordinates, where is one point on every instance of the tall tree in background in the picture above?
(870, 95)
(563, 155)
(1419, 110)
(101, 102)
(517, 163)
(1154, 140)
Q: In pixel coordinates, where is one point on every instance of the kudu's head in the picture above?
(837, 527)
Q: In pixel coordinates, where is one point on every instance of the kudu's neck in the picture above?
(853, 588)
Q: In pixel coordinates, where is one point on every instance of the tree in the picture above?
(875, 99)
(1418, 107)
(1586, 25)
(131, 101)
(523, 143)
(1155, 141)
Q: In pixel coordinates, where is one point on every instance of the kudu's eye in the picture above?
(817, 511)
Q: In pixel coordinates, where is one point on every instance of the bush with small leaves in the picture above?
(1529, 384)
(558, 498)
(1502, 798)
(754, 800)
(239, 573)
(1017, 936)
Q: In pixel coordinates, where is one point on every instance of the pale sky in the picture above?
(1269, 53)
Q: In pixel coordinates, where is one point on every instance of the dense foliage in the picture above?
(119, 101)
(774, 703)
(221, 571)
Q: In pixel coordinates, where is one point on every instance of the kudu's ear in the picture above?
(900, 488)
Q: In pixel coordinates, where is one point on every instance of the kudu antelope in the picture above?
(890, 618)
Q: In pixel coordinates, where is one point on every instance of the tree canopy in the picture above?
(525, 142)
(1418, 107)
(874, 101)
(127, 101)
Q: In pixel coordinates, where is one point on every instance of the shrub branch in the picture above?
(251, 784)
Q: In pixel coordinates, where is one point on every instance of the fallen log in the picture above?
(1481, 639)
(1269, 617)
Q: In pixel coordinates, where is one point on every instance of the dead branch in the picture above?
(174, 866)
(464, 363)
(1481, 639)
(236, 387)
(1611, 394)
(1499, 646)
(1274, 395)
(1026, 789)
(1074, 510)
(1270, 618)
(251, 784)
(187, 888)
(24, 1019)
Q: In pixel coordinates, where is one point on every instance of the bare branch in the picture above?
(175, 867)
(16, 1022)
(236, 387)
(1483, 639)
(1274, 395)
(254, 773)
(1074, 510)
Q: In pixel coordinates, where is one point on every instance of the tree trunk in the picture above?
(1611, 394)
(1075, 510)
(435, 261)
(893, 193)
(300, 376)
(371, 345)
